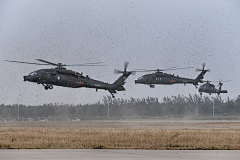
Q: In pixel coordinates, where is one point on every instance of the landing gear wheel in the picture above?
(152, 86)
(112, 95)
(50, 86)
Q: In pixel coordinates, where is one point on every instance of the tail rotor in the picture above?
(116, 71)
(118, 84)
(201, 75)
(220, 83)
(203, 68)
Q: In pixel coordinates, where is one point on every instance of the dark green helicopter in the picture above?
(61, 76)
(210, 88)
(168, 79)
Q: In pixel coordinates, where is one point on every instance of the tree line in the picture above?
(170, 107)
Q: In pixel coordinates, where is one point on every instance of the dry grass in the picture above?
(118, 138)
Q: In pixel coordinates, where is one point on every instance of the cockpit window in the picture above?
(33, 74)
(140, 78)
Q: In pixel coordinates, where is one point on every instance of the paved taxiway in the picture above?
(109, 154)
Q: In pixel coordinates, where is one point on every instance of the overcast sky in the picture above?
(149, 34)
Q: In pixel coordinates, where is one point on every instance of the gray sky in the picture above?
(149, 34)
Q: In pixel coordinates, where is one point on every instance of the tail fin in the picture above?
(220, 86)
(201, 75)
(121, 80)
(118, 84)
(124, 76)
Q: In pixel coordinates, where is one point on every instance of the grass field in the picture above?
(121, 135)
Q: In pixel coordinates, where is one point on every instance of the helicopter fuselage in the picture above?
(210, 88)
(169, 79)
(60, 76)
(67, 78)
(163, 78)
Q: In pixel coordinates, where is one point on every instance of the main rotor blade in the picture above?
(133, 72)
(223, 81)
(177, 68)
(54, 64)
(59, 64)
(157, 70)
(26, 62)
(84, 64)
(117, 71)
(88, 64)
(94, 63)
(146, 70)
(226, 81)
(171, 67)
(218, 81)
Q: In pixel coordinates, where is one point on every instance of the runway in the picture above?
(110, 154)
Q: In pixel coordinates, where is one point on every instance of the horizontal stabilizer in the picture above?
(120, 88)
(112, 91)
(223, 91)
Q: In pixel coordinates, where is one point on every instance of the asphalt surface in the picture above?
(111, 154)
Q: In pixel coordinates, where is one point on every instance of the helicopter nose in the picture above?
(25, 78)
(137, 81)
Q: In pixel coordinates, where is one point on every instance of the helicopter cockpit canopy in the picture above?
(206, 86)
(34, 73)
(203, 87)
(161, 74)
(140, 78)
(211, 85)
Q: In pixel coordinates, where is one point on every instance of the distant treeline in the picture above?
(170, 107)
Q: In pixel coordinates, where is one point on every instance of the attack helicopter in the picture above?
(168, 79)
(210, 88)
(60, 76)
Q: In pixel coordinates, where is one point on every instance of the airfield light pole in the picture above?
(125, 104)
(18, 112)
(213, 107)
(108, 111)
(38, 99)
(18, 108)
(197, 107)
